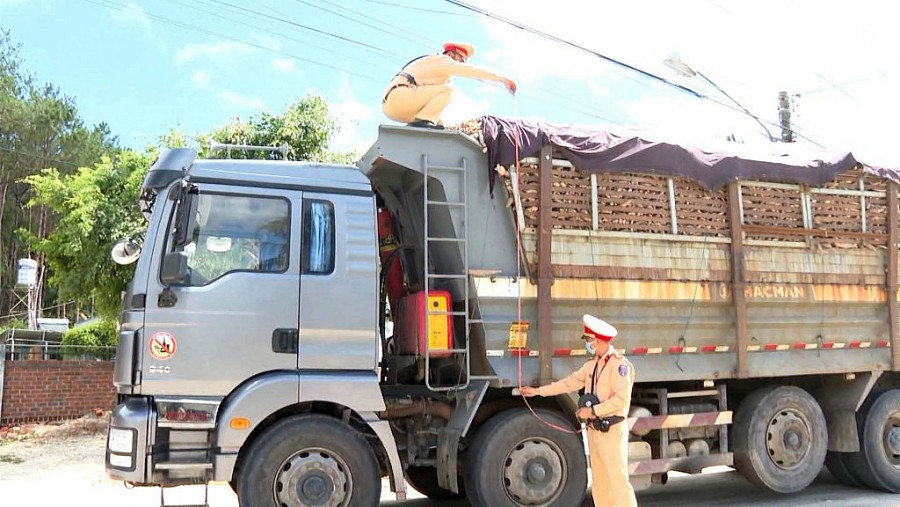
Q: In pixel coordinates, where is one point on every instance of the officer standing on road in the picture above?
(607, 378)
(419, 93)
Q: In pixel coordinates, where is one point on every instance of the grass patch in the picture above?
(9, 458)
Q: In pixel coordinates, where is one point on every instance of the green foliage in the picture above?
(96, 206)
(39, 128)
(14, 323)
(305, 126)
(97, 339)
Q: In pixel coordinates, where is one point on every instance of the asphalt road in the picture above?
(723, 486)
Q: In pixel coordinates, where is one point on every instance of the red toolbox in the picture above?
(410, 332)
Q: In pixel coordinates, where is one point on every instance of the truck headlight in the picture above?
(121, 440)
(119, 461)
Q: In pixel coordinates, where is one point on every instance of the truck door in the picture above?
(236, 313)
(339, 286)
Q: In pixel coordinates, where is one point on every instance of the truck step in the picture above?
(181, 465)
(162, 499)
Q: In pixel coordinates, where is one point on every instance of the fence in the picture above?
(44, 381)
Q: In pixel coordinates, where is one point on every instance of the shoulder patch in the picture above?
(623, 370)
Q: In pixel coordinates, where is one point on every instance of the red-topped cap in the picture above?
(600, 329)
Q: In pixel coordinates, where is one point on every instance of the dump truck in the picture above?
(303, 330)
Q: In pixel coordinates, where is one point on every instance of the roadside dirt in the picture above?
(62, 464)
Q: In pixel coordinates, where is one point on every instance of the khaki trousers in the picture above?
(609, 467)
(422, 102)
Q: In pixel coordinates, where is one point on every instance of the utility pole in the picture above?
(784, 114)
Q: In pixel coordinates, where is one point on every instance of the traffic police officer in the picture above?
(420, 92)
(609, 377)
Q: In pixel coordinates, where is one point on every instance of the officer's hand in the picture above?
(510, 85)
(529, 391)
(585, 413)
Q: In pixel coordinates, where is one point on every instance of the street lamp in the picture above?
(683, 69)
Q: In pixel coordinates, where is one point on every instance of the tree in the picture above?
(39, 128)
(96, 206)
(305, 126)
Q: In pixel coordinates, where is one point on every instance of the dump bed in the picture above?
(712, 265)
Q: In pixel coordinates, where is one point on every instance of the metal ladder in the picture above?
(458, 212)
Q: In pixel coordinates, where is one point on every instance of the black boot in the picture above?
(427, 124)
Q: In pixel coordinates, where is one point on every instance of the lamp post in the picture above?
(683, 69)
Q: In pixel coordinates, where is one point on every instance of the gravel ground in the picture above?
(49, 465)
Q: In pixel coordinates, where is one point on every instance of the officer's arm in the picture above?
(621, 380)
(573, 382)
(455, 68)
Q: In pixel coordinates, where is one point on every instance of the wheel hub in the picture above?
(313, 478)
(534, 473)
(788, 439)
(892, 439)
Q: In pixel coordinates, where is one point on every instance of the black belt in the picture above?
(398, 85)
(603, 423)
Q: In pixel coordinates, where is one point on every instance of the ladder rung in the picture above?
(456, 277)
(456, 314)
(449, 168)
(444, 351)
(446, 203)
(450, 240)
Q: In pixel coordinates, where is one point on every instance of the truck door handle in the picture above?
(285, 340)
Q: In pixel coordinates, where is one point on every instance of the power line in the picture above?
(421, 9)
(113, 5)
(619, 63)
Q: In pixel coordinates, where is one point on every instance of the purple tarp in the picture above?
(594, 150)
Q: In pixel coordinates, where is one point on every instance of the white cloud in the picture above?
(356, 126)
(200, 78)
(224, 53)
(850, 58)
(236, 100)
(284, 65)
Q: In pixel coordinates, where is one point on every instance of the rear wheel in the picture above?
(309, 460)
(517, 460)
(425, 481)
(877, 463)
(780, 438)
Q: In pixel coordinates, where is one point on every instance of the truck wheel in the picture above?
(425, 481)
(517, 460)
(837, 463)
(878, 461)
(780, 438)
(309, 460)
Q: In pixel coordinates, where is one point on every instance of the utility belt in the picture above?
(603, 424)
(411, 83)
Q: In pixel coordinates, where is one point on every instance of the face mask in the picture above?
(589, 345)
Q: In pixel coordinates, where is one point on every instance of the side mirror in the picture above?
(175, 268)
(125, 251)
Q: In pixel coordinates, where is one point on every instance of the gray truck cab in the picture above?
(254, 293)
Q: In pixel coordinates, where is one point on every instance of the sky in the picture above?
(145, 67)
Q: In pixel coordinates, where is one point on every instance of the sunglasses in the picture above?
(589, 337)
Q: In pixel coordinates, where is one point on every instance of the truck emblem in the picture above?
(162, 345)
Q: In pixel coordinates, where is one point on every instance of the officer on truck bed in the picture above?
(419, 93)
(607, 380)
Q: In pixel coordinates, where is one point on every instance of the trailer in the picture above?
(302, 330)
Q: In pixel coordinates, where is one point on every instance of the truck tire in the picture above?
(837, 464)
(309, 460)
(877, 464)
(780, 438)
(516, 460)
(425, 481)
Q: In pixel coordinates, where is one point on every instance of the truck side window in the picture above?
(318, 237)
(238, 233)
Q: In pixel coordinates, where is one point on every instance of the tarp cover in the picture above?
(592, 149)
